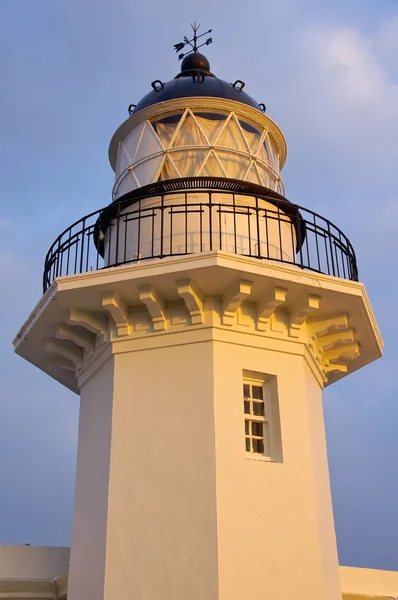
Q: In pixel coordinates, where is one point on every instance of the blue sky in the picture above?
(328, 73)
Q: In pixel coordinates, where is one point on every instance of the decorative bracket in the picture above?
(329, 368)
(90, 321)
(333, 343)
(342, 353)
(62, 363)
(321, 327)
(155, 305)
(193, 299)
(118, 311)
(301, 312)
(83, 338)
(333, 340)
(66, 349)
(233, 299)
(337, 358)
(267, 307)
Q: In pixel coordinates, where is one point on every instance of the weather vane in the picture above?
(193, 42)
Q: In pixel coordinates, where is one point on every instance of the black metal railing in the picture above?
(183, 217)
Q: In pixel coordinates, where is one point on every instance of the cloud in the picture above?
(351, 94)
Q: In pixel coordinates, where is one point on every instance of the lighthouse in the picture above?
(199, 316)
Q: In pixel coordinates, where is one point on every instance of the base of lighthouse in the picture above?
(202, 466)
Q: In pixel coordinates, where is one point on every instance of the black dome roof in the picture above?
(195, 79)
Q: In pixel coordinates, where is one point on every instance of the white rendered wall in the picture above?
(136, 235)
(162, 534)
(371, 583)
(87, 561)
(275, 520)
(188, 515)
(33, 562)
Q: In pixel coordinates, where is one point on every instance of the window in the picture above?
(261, 414)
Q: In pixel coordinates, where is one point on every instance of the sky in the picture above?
(328, 74)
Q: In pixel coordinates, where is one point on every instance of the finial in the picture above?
(193, 42)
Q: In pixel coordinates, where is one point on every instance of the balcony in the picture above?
(202, 214)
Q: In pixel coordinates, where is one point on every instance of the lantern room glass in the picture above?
(195, 143)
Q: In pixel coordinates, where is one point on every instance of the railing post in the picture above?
(210, 222)
(258, 229)
(161, 225)
(117, 233)
(331, 250)
(82, 245)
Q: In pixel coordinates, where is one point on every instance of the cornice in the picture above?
(131, 308)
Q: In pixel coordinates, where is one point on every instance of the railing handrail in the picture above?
(84, 235)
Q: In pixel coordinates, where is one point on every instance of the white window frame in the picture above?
(250, 417)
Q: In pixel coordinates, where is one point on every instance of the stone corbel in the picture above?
(155, 305)
(300, 313)
(66, 349)
(233, 299)
(337, 358)
(330, 368)
(118, 311)
(333, 340)
(62, 363)
(267, 307)
(193, 299)
(340, 354)
(83, 338)
(322, 327)
(94, 323)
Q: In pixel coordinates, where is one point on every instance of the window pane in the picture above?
(257, 391)
(247, 407)
(246, 390)
(258, 409)
(247, 444)
(257, 429)
(258, 446)
(247, 427)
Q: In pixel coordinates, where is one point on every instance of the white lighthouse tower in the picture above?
(199, 317)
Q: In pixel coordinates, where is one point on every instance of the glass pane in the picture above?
(247, 444)
(258, 446)
(212, 167)
(251, 134)
(246, 390)
(210, 124)
(272, 153)
(168, 171)
(235, 165)
(188, 162)
(257, 392)
(247, 127)
(189, 134)
(146, 172)
(165, 130)
(247, 427)
(247, 407)
(232, 137)
(263, 154)
(258, 409)
(126, 184)
(257, 429)
(267, 180)
(149, 144)
(253, 176)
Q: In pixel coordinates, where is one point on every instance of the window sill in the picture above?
(259, 457)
